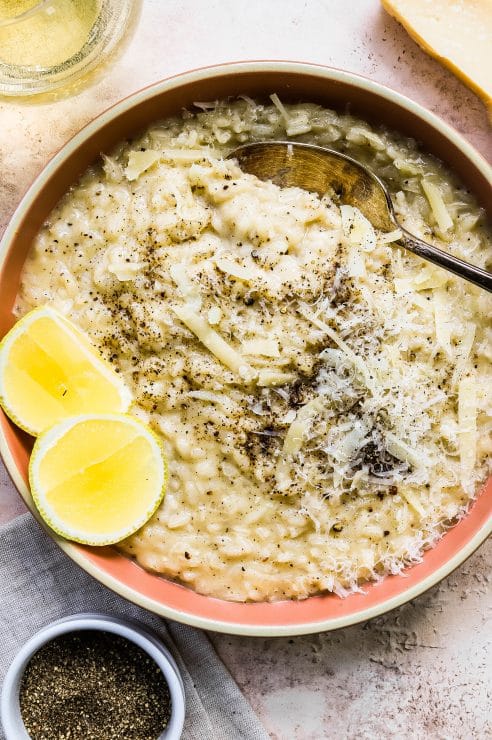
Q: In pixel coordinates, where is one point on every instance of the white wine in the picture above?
(11, 8)
(47, 36)
(46, 45)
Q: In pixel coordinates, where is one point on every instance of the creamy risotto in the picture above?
(321, 393)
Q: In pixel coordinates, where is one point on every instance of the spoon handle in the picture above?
(473, 274)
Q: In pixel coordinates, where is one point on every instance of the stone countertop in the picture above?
(422, 671)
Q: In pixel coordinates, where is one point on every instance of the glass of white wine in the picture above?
(50, 44)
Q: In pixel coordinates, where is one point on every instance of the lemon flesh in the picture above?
(49, 370)
(97, 478)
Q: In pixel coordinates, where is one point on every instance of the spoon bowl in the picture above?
(325, 171)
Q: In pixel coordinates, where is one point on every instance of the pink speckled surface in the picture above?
(422, 671)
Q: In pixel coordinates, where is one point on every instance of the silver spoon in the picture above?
(321, 170)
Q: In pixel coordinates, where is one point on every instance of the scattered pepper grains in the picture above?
(93, 685)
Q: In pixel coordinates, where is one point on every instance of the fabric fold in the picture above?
(39, 583)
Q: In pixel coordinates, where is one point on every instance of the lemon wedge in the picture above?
(97, 478)
(49, 370)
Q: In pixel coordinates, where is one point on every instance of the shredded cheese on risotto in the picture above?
(323, 395)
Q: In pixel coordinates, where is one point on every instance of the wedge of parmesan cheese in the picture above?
(458, 33)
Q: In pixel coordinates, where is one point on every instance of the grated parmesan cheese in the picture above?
(189, 291)
(214, 315)
(436, 202)
(294, 439)
(404, 452)
(214, 342)
(280, 107)
(248, 274)
(467, 421)
(355, 360)
(273, 378)
(463, 353)
(357, 229)
(259, 346)
(443, 321)
(389, 236)
(139, 162)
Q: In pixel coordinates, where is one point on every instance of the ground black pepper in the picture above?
(92, 685)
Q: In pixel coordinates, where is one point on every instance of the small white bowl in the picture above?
(13, 725)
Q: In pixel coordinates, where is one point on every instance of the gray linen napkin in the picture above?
(39, 583)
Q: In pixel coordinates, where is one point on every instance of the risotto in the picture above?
(323, 395)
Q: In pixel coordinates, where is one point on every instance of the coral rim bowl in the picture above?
(292, 82)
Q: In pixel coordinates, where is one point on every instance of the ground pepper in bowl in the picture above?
(93, 685)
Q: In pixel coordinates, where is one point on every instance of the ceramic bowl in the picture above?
(294, 82)
(12, 723)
